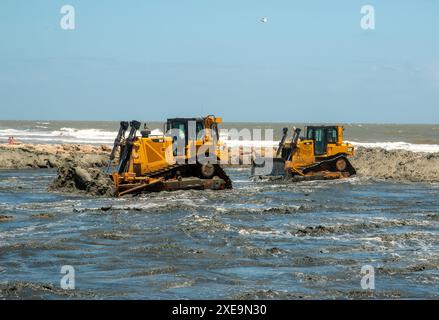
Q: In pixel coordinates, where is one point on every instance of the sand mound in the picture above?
(396, 165)
(78, 165)
(75, 177)
(50, 156)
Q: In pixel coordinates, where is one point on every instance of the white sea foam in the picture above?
(97, 136)
(250, 143)
(63, 135)
(429, 148)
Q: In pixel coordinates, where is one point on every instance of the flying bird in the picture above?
(264, 20)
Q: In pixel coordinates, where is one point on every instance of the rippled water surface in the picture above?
(260, 240)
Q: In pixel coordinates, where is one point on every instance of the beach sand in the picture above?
(33, 156)
(78, 165)
(396, 165)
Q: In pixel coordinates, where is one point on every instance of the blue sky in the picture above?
(311, 62)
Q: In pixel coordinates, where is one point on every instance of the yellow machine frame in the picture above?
(298, 157)
(153, 154)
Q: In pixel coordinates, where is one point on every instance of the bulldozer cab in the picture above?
(194, 130)
(322, 136)
(182, 125)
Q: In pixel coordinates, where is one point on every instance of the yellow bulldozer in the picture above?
(185, 156)
(321, 154)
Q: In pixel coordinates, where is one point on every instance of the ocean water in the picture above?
(259, 240)
(418, 138)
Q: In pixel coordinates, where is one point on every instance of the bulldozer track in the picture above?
(350, 169)
(166, 170)
(330, 163)
(219, 171)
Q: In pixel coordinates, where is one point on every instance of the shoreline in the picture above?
(43, 156)
(399, 165)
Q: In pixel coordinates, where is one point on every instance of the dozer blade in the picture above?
(219, 171)
(124, 125)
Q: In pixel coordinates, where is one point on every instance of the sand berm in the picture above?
(79, 166)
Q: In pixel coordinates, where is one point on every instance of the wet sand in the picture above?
(396, 165)
(33, 156)
(78, 165)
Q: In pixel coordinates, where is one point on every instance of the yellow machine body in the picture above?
(322, 152)
(305, 155)
(152, 161)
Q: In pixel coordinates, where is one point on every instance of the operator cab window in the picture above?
(318, 135)
(331, 135)
(315, 134)
(181, 129)
(178, 137)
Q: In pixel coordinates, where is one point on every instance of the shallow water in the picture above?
(259, 240)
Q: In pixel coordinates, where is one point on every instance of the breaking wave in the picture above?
(428, 148)
(97, 136)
